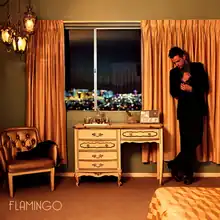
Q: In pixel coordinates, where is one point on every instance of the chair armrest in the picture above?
(3, 163)
(47, 148)
(53, 153)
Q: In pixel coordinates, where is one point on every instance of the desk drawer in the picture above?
(98, 165)
(136, 134)
(99, 145)
(92, 155)
(97, 134)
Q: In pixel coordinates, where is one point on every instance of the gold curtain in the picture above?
(46, 83)
(201, 39)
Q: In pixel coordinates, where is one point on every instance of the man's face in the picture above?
(178, 61)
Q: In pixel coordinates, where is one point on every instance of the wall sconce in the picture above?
(19, 40)
(29, 20)
(17, 36)
(20, 44)
(7, 32)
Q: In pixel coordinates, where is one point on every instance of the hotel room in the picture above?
(104, 61)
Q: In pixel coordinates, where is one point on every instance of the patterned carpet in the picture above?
(94, 199)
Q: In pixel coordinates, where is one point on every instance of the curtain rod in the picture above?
(96, 24)
(88, 22)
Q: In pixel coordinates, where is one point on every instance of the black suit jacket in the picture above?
(190, 104)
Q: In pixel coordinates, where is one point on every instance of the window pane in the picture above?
(118, 75)
(79, 94)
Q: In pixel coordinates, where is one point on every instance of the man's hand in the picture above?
(186, 76)
(186, 87)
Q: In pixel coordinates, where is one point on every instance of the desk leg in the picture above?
(77, 178)
(158, 161)
(119, 179)
(161, 157)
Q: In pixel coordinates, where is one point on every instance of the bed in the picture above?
(185, 203)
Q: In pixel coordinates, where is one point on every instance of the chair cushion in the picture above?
(30, 165)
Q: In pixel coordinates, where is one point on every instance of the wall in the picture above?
(12, 72)
(108, 10)
(12, 89)
(12, 84)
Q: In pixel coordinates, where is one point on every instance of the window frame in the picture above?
(95, 26)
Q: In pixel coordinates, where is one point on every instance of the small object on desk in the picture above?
(87, 120)
(131, 118)
(100, 119)
(128, 113)
(150, 116)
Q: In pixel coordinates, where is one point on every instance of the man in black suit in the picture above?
(188, 84)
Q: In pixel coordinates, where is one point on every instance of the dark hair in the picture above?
(174, 51)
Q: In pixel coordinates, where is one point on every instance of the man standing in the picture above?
(189, 84)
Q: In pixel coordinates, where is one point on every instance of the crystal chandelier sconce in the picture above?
(15, 37)
(7, 32)
(20, 44)
(19, 40)
(29, 19)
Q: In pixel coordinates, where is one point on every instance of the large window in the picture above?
(103, 68)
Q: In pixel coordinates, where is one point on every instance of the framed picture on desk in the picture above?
(149, 116)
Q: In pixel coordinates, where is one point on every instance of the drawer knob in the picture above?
(97, 165)
(99, 156)
(97, 134)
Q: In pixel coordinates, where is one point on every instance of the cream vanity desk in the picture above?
(98, 148)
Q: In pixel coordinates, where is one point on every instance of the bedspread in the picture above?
(185, 203)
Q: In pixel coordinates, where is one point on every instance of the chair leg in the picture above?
(10, 183)
(5, 184)
(52, 176)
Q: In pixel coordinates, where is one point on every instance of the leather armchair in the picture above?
(20, 141)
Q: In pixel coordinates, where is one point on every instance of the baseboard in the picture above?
(71, 174)
(168, 175)
(65, 174)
